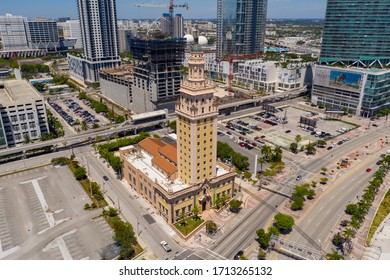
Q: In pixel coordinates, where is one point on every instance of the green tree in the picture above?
(298, 139)
(261, 255)
(297, 203)
(334, 256)
(172, 125)
(183, 218)
(284, 222)
(211, 227)
(277, 154)
(261, 161)
(263, 238)
(125, 236)
(324, 180)
(324, 170)
(27, 139)
(294, 147)
(310, 148)
(272, 230)
(196, 211)
(84, 125)
(266, 151)
(311, 193)
(351, 209)
(80, 173)
(235, 205)
(338, 240)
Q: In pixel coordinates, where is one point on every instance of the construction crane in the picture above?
(231, 60)
(170, 6)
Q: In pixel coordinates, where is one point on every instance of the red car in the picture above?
(368, 170)
(262, 136)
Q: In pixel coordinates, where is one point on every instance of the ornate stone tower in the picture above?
(196, 124)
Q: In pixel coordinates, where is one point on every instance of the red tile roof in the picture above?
(163, 164)
(151, 145)
(170, 152)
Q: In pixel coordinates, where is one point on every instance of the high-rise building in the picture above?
(42, 33)
(241, 27)
(196, 124)
(124, 37)
(13, 32)
(98, 22)
(72, 30)
(356, 32)
(157, 73)
(176, 178)
(178, 26)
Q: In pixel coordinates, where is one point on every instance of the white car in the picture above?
(166, 246)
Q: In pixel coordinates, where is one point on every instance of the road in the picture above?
(315, 226)
(242, 234)
(132, 208)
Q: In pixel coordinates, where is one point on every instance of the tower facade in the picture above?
(13, 32)
(356, 30)
(99, 29)
(241, 27)
(196, 125)
(99, 32)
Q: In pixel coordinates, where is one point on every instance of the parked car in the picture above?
(368, 170)
(298, 178)
(288, 131)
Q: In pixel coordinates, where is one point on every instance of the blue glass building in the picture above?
(240, 27)
(357, 32)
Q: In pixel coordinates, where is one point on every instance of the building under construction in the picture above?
(157, 71)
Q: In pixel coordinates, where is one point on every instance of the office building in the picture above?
(178, 26)
(360, 91)
(72, 30)
(42, 33)
(23, 113)
(241, 26)
(357, 32)
(116, 85)
(13, 32)
(175, 178)
(124, 37)
(157, 69)
(98, 22)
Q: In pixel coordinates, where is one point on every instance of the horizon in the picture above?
(277, 9)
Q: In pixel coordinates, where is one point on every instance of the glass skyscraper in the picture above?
(356, 31)
(240, 27)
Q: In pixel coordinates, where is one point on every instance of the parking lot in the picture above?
(282, 127)
(42, 217)
(73, 109)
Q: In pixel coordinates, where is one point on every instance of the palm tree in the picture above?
(278, 152)
(266, 151)
(334, 256)
(354, 223)
(84, 125)
(348, 234)
(298, 139)
(196, 211)
(183, 218)
(261, 161)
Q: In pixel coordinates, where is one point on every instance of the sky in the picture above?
(126, 9)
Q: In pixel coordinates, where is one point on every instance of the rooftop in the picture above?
(119, 71)
(151, 145)
(170, 151)
(17, 91)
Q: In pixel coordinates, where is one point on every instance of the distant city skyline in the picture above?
(127, 10)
